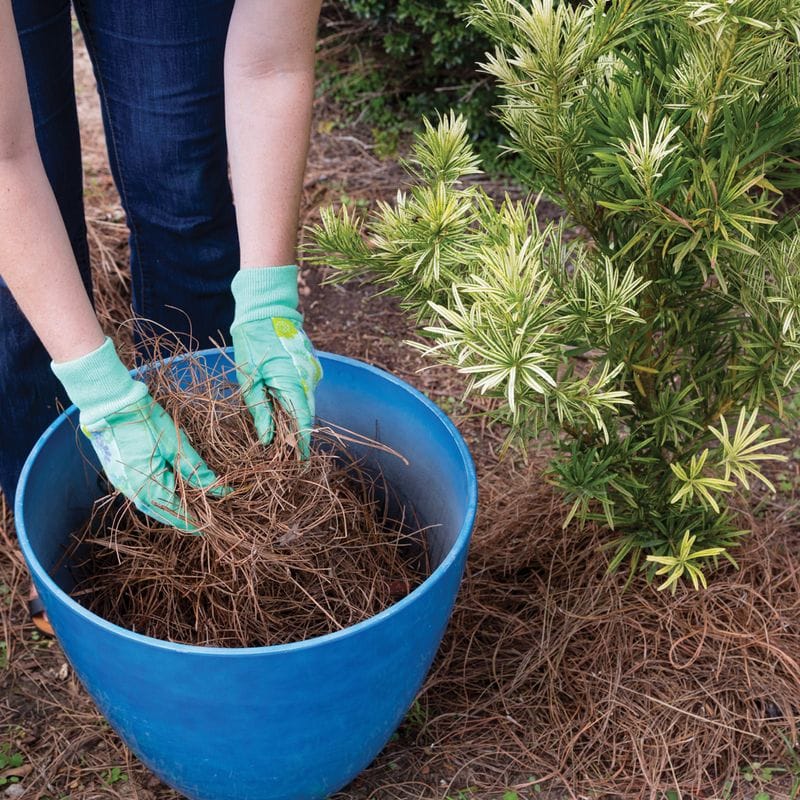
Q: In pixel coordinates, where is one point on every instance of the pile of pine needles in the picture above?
(297, 549)
(556, 674)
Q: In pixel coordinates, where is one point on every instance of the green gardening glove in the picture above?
(137, 442)
(274, 358)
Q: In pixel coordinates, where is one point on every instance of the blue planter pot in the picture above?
(295, 721)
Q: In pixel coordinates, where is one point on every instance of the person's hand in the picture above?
(139, 446)
(274, 358)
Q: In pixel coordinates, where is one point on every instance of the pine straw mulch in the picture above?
(292, 550)
(553, 674)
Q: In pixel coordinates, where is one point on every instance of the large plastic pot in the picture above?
(290, 721)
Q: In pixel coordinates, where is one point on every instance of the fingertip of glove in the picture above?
(184, 524)
(187, 526)
(304, 445)
(173, 516)
(262, 419)
(201, 477)
(265, 427)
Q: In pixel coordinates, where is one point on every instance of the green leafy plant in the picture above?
(412, 58)
(435, 34)
(9, 761)
(417, 716)
(114, 775)
(761, 775)
(41, 642)
(650, 344)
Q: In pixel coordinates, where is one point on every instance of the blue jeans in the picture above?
(159, 70)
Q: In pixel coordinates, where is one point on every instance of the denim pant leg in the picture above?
(159, 69)
(28, 389)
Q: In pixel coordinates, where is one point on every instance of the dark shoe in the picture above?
(39, 616)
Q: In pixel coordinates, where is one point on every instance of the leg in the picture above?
(29, 392)
(159, 68)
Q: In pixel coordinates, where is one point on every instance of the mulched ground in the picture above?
(535, 627)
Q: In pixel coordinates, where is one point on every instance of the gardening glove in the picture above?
(273, 354)
(137, 442)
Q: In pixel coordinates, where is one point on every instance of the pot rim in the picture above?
(461, 542)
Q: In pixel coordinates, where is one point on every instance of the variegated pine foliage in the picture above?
(650, 345)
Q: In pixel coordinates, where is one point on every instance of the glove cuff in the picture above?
(264, 292)
(99, 383)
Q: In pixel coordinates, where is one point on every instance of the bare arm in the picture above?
(269, 91)
(36, 259)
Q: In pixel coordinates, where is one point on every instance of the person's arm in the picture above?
(269, 93)
(36, 259)
(137, 443)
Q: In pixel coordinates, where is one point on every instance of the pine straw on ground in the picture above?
(552, 673)
(294, 549)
